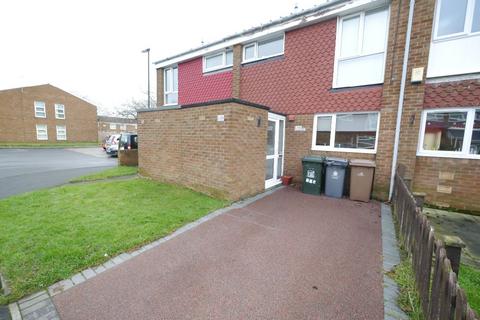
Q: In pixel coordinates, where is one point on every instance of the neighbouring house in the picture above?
(235, 115)
(114, 125)
(45, 113)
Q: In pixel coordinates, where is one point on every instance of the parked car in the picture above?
(128, 141)
(112, 145)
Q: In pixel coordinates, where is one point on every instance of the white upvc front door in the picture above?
(275, 147)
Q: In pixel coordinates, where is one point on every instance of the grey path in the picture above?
(23, 170)
(391, 257)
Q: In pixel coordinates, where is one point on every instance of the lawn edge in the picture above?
(122, 177)
(91, 272)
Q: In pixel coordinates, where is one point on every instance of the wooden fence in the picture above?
(440, 294)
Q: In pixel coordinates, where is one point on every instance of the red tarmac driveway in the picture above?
(286, 256)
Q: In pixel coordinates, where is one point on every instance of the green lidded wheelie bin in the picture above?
(312, 174)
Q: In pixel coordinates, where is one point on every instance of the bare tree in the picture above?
(129, 109)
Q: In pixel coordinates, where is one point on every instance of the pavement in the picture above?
(23, 170)
(287, 255)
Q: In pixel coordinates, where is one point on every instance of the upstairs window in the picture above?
(450, 133)
(264, 49)
(361, 48)
(40, 111)
(59, 111)
(457, 18)
(171, 86)
(113, 126)
(349, 132)
(217, 61)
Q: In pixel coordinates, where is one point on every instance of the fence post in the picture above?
(419, 198)
(453, 247)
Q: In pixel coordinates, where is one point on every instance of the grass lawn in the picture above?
(49, 235)
(408, 297)
(109, 173)
(48, 145)
(469, 279)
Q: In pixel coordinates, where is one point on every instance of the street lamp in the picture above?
(148, 73)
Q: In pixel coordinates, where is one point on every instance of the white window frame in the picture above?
(64, 129)
(44, 112)
(467, 27)
(338, 43)
(464, 154)
(224, 64)
(123, 126)
(58, 107)
(114, 125)
(40, 127)
(255, 44)
(333, 126)
(170, 90)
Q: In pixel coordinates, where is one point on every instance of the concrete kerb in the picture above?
(40, 306)
(391, 258)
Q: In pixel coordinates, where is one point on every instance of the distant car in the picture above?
(112, 145)
(128, 141)
(104, 142)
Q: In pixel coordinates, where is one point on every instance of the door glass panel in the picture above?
(280, 137)
(269, 169)
(271, 137)
(475, 145)
(279, 167)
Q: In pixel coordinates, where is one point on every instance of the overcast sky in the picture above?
(92, 48)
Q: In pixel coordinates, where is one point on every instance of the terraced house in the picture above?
(45, 113)
(396, 81)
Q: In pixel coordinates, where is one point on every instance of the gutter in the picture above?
(401, 98)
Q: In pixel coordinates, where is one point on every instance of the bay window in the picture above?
(171, 86)
(450, 133)
(354, 132)
(361, 48)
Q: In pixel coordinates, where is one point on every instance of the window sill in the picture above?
(346, 150)
(359, 86)
(215, 71)
(448, 155)
(262, 59)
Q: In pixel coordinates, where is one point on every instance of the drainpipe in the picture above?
(401, 97)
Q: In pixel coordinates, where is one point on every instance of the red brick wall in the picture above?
(449, 182)
(194, 86)
(300, 82)
(190, 147)
(452, 94)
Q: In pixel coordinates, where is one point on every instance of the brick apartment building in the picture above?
(114, 125)
(237, 114)
(45, 113)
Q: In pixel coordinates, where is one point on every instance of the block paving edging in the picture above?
(391, 257)
(39, 306)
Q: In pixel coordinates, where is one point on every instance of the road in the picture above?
(23, 170)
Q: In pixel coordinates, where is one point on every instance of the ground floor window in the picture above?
(42, 133)
(450, 133)
(61, 133)
(350, 132)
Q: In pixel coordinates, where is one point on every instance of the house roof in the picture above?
(209, 103)
(297, 20)
(115, 119)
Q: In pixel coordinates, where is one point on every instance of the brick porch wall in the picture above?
(190, 147)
